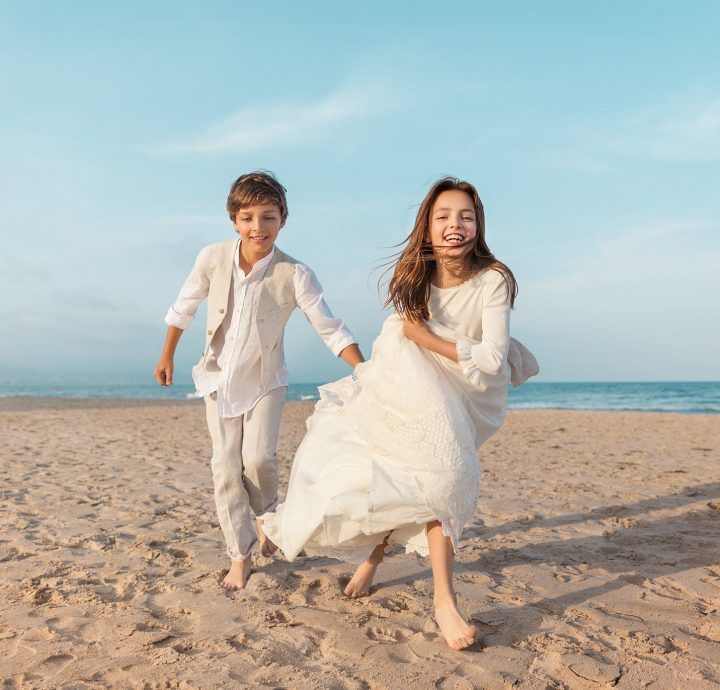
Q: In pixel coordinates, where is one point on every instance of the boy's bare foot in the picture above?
(457, 633)
(267, 548)
(359, 585)
(237, 576)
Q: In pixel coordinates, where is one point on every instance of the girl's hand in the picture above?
(415, 330)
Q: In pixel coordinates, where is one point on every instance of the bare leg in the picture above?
(359, 585)
(457, 633)
(267, 548)
(237, 575)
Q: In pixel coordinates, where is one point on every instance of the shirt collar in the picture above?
(259, 266)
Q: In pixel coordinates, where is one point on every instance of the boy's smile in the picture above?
(258, 226)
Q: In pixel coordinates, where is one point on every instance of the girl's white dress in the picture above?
(395, 445)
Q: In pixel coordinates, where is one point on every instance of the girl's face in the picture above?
(452, 224)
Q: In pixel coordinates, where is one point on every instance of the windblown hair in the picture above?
(257, 187)
(409, 286)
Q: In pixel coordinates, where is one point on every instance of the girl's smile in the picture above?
(452, 223)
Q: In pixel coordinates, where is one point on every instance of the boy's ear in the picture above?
(282, 224)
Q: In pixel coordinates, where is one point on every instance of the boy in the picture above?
(252, 288)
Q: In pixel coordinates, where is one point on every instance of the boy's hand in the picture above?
(164, 371)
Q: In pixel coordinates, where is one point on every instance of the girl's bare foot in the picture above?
(457, 633)
(237, 576)
(359, 585)
(267, 548)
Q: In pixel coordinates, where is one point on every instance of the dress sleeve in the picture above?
(310, 299)
(489, 355)
(194, 290)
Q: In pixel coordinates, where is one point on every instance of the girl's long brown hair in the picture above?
(409, 287)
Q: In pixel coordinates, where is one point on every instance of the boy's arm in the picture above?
(180, 315)
(335, 334)
(352, 355)
(164, 370)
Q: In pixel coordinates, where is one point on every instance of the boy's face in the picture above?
(259, 227)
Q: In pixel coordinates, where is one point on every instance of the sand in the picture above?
(593, 561)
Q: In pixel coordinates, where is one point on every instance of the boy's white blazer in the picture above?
(276, 303)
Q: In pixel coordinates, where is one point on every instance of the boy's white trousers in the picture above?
(244, 468)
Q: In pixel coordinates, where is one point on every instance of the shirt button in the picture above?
(209, 332)
(222, 311)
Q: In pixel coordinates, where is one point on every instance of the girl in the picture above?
(391, 451)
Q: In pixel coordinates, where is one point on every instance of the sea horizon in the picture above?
(687, 397)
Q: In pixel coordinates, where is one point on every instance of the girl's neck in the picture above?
(445, 276)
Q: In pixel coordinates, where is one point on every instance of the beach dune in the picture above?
(592, 562)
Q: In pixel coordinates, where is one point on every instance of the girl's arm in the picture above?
(418, 332)
(490, 354)
(476, 358)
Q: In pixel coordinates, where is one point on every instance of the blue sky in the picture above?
(592, 131)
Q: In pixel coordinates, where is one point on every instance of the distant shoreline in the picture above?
(21, 403)
(27, 403)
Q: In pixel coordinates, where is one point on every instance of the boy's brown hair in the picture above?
(257, 187)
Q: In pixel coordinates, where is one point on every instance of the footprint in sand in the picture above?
(55, 663)
(568, 574)
(276, 617)
(378, 634)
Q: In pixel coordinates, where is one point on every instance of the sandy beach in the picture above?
(593, 561)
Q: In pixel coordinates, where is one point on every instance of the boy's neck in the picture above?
(247, 258)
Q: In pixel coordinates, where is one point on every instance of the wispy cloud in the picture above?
(636, 304)
(691, 131)
(575, 160)
(687, 130)
(258, 127)
(649, 254)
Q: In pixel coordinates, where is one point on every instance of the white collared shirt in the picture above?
(237, 350)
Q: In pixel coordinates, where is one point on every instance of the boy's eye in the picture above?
(440, 217)
(468, 218)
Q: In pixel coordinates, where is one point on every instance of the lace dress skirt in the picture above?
(388, 450)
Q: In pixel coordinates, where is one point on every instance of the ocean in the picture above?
(695, 397)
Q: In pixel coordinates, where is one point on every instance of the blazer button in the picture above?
(222, 311)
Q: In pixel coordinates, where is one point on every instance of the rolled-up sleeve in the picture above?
(309, 296)
(488, 356)
(194, 290)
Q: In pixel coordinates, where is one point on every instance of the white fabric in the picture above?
(244, 468)
(394, 446)
(238, 382)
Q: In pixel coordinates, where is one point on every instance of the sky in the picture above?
(591, 130)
